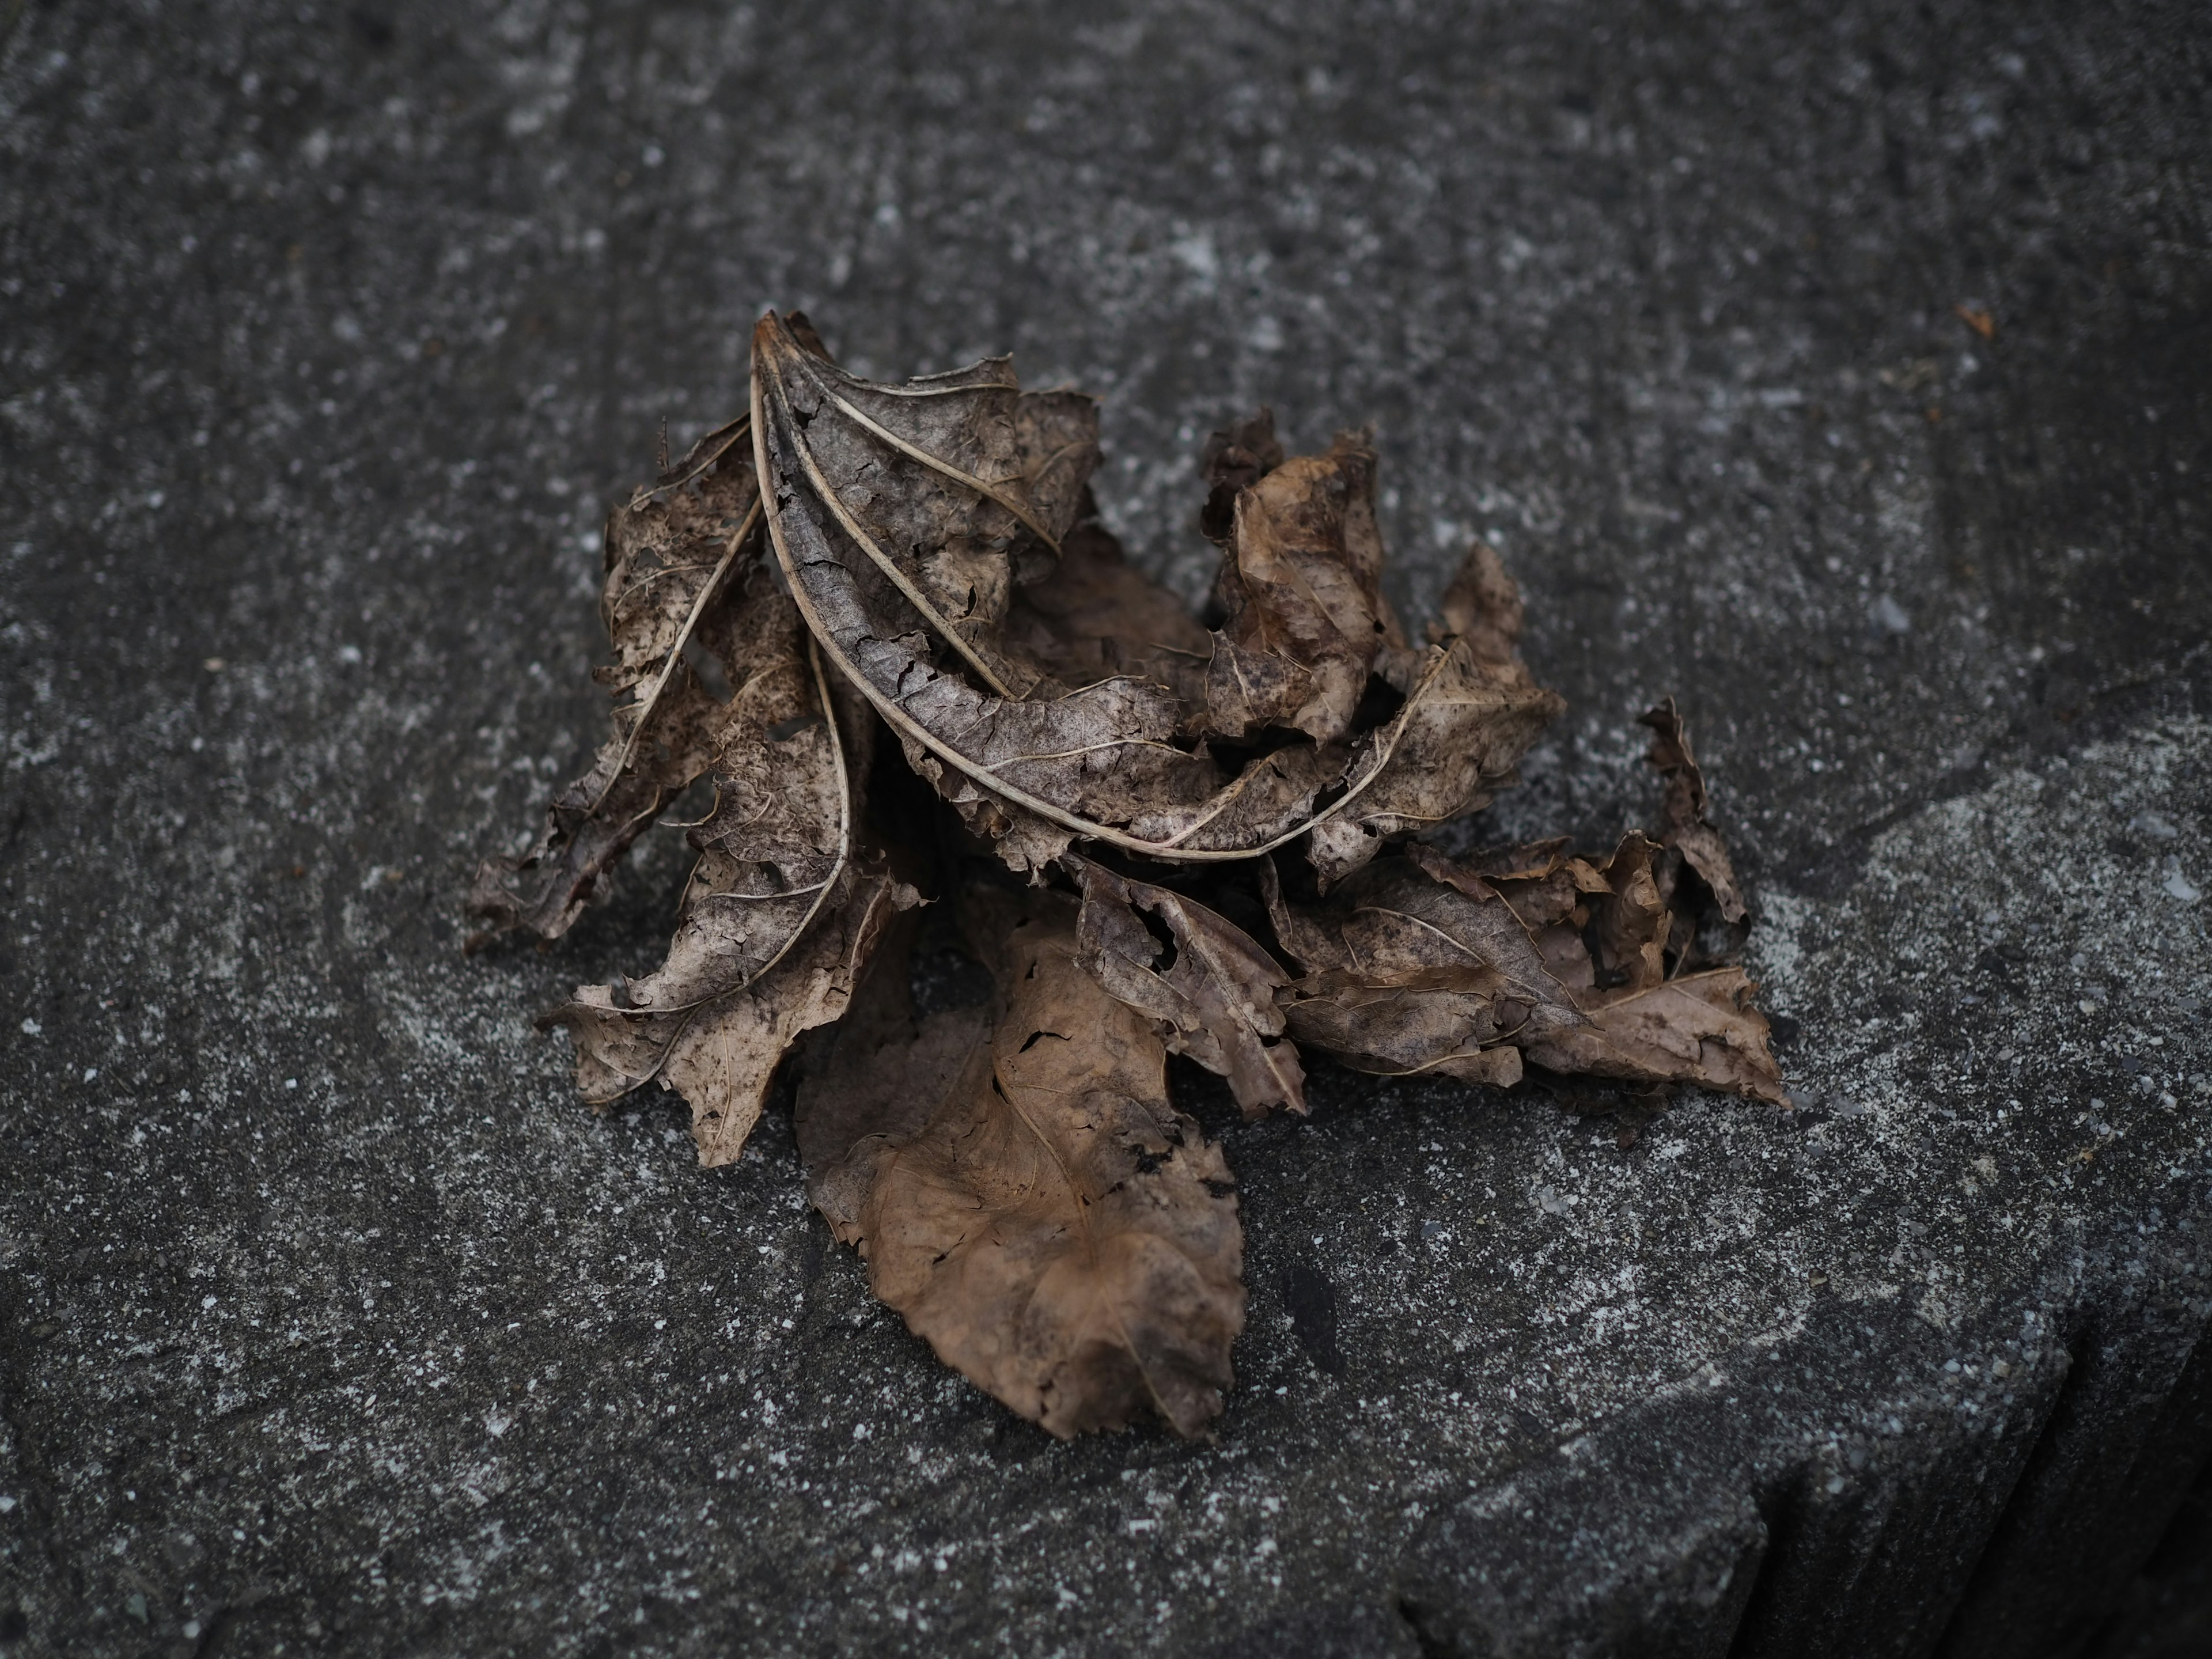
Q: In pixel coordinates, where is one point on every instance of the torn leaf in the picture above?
(1209, 989)
(721, 1055)
(670, 552)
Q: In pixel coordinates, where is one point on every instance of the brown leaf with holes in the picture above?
(1026, 1197)
(670, 552)
(721, 1055)
(1207, 986)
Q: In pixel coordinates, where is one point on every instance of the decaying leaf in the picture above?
(1025, 1195)
(721, 1055)
(1301, 580)
(914, 577)
(1209, 989)
(1682, 816)
(670, 553)
(1471, 710)
(1032, 764)
(1420, 963)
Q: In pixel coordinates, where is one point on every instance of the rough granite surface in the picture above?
(330, 1322)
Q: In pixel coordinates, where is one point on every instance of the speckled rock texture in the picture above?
(1844, 369)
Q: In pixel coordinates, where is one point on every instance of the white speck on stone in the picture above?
(206, 1302)
(1197, 255)
(32, 1028)
(6, 1504)
(495, 1425)
(1888, 615)
(90, 1072)
(2180, 885)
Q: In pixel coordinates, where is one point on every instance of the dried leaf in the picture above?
(1024, 1194)
(1472, 709)
(781, 830)
(1302, 585)
(1682, 815)
(1101, 761)
(670, 553)
(1014, 1174)
(722, 1056)
(1419, 964)
(1422, 975)
(777, 919)
(1209, 989)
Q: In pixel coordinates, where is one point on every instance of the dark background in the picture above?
(328, 1321)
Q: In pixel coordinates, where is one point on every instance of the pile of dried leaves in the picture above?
(859, 603)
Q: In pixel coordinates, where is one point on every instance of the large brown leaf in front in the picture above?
(1024, 1194)
(671, 553)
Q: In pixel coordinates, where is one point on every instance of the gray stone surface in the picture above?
(329, 1323)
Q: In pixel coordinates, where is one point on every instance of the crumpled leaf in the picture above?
(1032, 772)
(1699, 1027)
(1208, 987)
(722, 1056)
(1419, 963)
(1472, 709)
(1301, 581)
(1682, 814)
(1024, 1194)
(1409, 975)
(1014, 1174)
(776, 887)
(670, 553)
(780, 830)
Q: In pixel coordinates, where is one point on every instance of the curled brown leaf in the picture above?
(721, 1055)
(1682, 813)
(1101, 761)
(1472, 709)
(1301, 581)
(670, 553)
(1208, 987)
